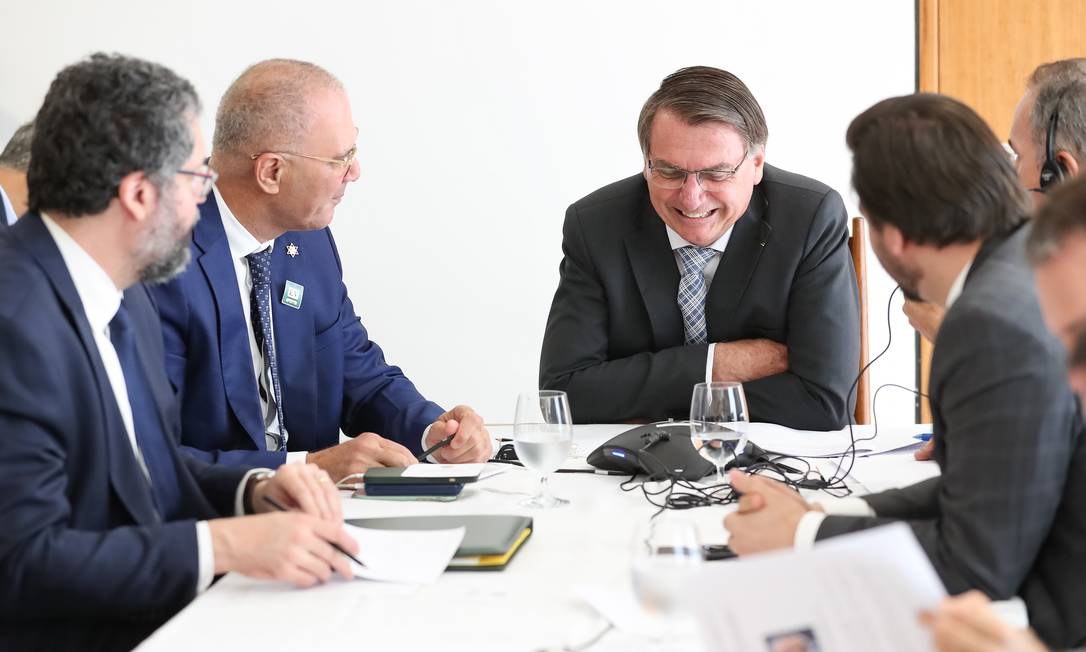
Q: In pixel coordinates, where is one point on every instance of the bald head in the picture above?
(268, 107)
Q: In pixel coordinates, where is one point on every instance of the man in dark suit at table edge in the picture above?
(948, 220)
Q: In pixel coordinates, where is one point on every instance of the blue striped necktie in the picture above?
(692, 291)
(260, 315)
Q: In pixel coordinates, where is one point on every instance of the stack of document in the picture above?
(406, 557)
(861, 592)
(489, 541)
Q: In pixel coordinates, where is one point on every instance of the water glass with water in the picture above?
(542, 435)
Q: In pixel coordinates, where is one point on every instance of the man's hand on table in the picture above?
(768, 514)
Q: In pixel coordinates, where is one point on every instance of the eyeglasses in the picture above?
(202, 179)
(346, 162)
(670, 177)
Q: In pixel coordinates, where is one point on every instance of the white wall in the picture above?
(481, 121)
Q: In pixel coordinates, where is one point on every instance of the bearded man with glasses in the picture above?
(262, 342)
(710, 265)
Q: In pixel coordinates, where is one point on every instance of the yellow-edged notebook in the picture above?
(490, 540)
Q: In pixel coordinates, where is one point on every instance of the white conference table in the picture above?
(534, 604)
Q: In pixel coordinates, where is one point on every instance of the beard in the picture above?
(165, 252)
(907, 278)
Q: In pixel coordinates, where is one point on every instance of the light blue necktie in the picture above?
(692, 291)
(260, 314)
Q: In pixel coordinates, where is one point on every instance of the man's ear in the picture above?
(1068, 162)
(268, 171)
(758, 159)
(137, 195)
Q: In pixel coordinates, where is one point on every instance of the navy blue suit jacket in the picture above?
(331, 375)
(85, 560)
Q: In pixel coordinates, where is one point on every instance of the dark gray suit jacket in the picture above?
(1008, 514)
(614, 338)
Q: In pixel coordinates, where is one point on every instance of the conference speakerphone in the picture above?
(658, 449)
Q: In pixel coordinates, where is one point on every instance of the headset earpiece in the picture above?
(1052, 171)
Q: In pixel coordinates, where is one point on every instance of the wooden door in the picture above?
(981, 52)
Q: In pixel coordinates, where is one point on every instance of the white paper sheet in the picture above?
(443, 470)
(856, 593)
(881, 472)
(408, 556)
(806, 443)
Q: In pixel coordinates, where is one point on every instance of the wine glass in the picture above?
(666, 555)
(542, 435)
(718, 422)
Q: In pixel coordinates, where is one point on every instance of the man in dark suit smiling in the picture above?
(709, 265)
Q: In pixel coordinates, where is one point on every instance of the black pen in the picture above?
(278, 505)
(439, 445)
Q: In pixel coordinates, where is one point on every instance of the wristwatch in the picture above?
(250, 484)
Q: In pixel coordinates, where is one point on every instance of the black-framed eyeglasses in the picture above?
(670, 177)
(202, 179)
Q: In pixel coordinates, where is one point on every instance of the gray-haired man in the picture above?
(709, 264)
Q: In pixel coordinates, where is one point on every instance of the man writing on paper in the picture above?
(710, 264)
(948, 223)
(1051, 114)
(109, 528)
(262, 342)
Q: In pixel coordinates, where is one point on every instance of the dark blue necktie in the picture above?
(152, 440)
(260, 314)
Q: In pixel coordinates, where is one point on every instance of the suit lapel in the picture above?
(294, 336)
(124, 472)
(234, 351)
(657, 277)
(749, 237)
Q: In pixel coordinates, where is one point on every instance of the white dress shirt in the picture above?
(807, 529)
(708, 272)
(9, 215)
(101, 299)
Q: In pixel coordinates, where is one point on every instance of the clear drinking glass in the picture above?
(542, 435)
(667, 555)
(718, 422)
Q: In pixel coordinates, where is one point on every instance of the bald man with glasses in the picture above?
(262, 342)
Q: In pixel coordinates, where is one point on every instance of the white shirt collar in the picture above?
(97, 292)
(9, 215)
(677, 241)
(242, 243)
(958, 285)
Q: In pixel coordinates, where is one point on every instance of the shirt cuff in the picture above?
(709, 363)
(851, 506)
(205, 555)
(807, 529)
(296, 456)
(425, 433)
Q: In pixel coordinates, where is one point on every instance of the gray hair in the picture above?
(701, 94)
(1060, 86)
(102, 119)
(16, 154)
(266, 108)
(1063, 215)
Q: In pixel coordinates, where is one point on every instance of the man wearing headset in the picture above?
(1048, 144)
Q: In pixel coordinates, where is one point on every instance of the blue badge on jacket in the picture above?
(292, 295)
